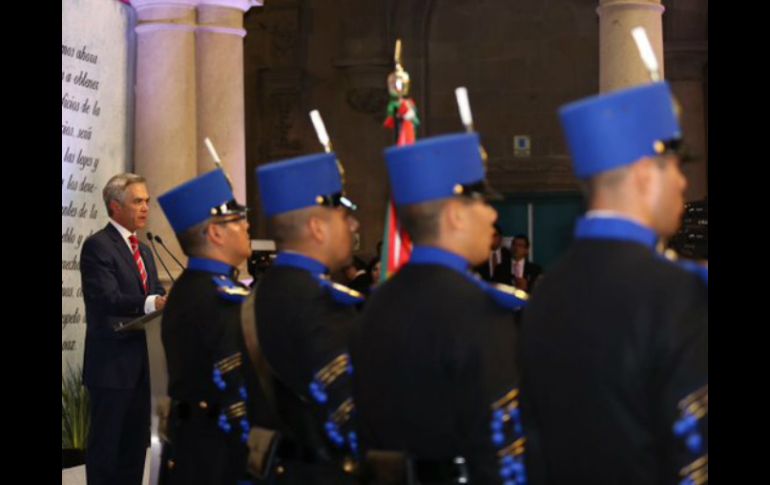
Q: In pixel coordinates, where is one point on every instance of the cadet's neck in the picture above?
(218, 254)
(631, 213)
(621, 204)
(311, 252)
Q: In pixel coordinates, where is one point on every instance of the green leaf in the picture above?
(74, 410)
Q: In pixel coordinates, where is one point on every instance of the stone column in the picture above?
(620, 65)
(220, 89)
(165, 105)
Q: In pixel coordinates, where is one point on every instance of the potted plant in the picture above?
(74, 418)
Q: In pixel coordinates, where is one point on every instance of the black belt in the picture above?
(290, 450)
(184, 410)
(429, 471)
(396, 467)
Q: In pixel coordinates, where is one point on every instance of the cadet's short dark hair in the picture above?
(421, 221)
(608, 179)
(194, 240)
(288, 227)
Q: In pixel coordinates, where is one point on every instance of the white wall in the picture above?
(97, 137)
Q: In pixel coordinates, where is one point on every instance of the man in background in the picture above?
(497, 268)
(524, 272)
(120, 283)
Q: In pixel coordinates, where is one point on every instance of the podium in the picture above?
(159, 401)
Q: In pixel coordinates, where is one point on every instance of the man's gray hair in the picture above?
(116, 188)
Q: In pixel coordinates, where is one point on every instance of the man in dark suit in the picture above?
(497, 268)
(304, 320)
(358, 276)
(615, 339)
(120, 283)
(435, 373)
(524, 272)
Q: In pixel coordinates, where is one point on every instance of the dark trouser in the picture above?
(389, 467)
(119, 435)
(296, 473)
(203, 454)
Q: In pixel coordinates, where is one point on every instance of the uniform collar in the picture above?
(441, 257)
(210, 266)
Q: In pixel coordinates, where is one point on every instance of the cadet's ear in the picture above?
(317, 228)
(646, 175)
(215, 234)
(453, 214)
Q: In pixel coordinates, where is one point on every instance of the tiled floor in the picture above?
(77, 475)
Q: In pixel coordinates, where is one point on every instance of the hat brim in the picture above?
(229, 208)
(337, 200)
(481, 189)
(490, 193)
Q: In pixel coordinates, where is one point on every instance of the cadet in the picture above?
(615, 341)
(435, 376)
(201, 331)
(304, 320)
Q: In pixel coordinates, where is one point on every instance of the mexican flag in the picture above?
(396, 246)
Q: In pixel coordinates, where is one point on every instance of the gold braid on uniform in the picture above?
(235, 411)
(225, 366)
(339, 417)
(331, 371)
(508, 436)
(692, 409)
(229, 363)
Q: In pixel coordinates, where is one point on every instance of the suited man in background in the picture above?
(358, 276)
(120, 283)
(497, 268)
(524, 273)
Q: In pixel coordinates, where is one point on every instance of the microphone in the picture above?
(157, 255)
(160, 241)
